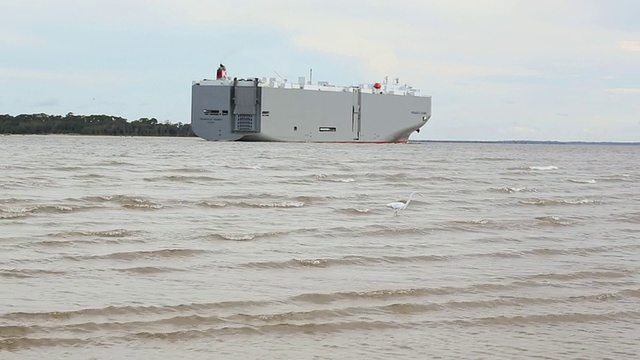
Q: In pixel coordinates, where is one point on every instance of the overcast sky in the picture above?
(497, 69)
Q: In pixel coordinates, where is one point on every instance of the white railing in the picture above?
(390, 89)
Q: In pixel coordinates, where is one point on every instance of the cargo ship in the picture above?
(268, 109)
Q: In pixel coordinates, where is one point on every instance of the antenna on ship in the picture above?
(280, 76)
(310, 76)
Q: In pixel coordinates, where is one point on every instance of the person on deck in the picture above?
(221, 73)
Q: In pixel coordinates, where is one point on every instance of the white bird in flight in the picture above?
(399, 205)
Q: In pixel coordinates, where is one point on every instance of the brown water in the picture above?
(160, 248)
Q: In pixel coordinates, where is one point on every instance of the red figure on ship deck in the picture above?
(221, 73)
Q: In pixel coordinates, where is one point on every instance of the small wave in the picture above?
(632, 293)
(633, 218)
(295, 316)
(90, 176)
(373, 294)
(309, 199)
(282, 204)
(13, 331)
(182, 179)
(245, 236)
(582, 181)
(387, 231)
(543, 168)
(143, 204)
(511, 190)
(558, 318)
(164, 253)
(389, 294)
(535, 168)
(398, 178)
(579, 251)
(472, 222)
(355, 211)
(112, 326)
(190, 170)
(103, 198)
(13, 200)
(282, 328)
(439, 179)
(597, 298)
(28, 273)
(115, 163)
(21, 184)
(68, 168)
(148, 270)
(136, 255)
(616, 178)
(549, 202)
(554, 220)
(247, 167)
(467, 305)
(492, 159)
(131, 202)
(250, 204)
(507, 254)
(322, 177)
(470, 225)
(128, 310)
(20, 343)
(343, 261)
(211, 204)
(40, 209)
(263, 195)
(583, 275)
(9, 215)
(115, 233)
(61, 243)
(410, 308)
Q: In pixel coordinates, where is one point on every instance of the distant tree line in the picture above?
(89, 125)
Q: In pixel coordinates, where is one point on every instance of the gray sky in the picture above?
(497, 69)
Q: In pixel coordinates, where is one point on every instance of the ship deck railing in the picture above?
(389, 89)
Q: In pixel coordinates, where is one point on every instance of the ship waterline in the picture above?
(267, 110)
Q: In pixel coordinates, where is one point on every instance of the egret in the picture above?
(399, 205)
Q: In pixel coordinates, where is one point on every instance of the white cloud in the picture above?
(66, 77)
(47, 103)
(76, 11)
(445, 38)
(523, 130)
(12, 38)
(623, 90)
(629, 45)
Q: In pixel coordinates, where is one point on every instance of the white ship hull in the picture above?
(254, 110)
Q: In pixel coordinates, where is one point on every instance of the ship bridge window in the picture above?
(225, 112)
(212, 112)
(265, 113)
(327, 128)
